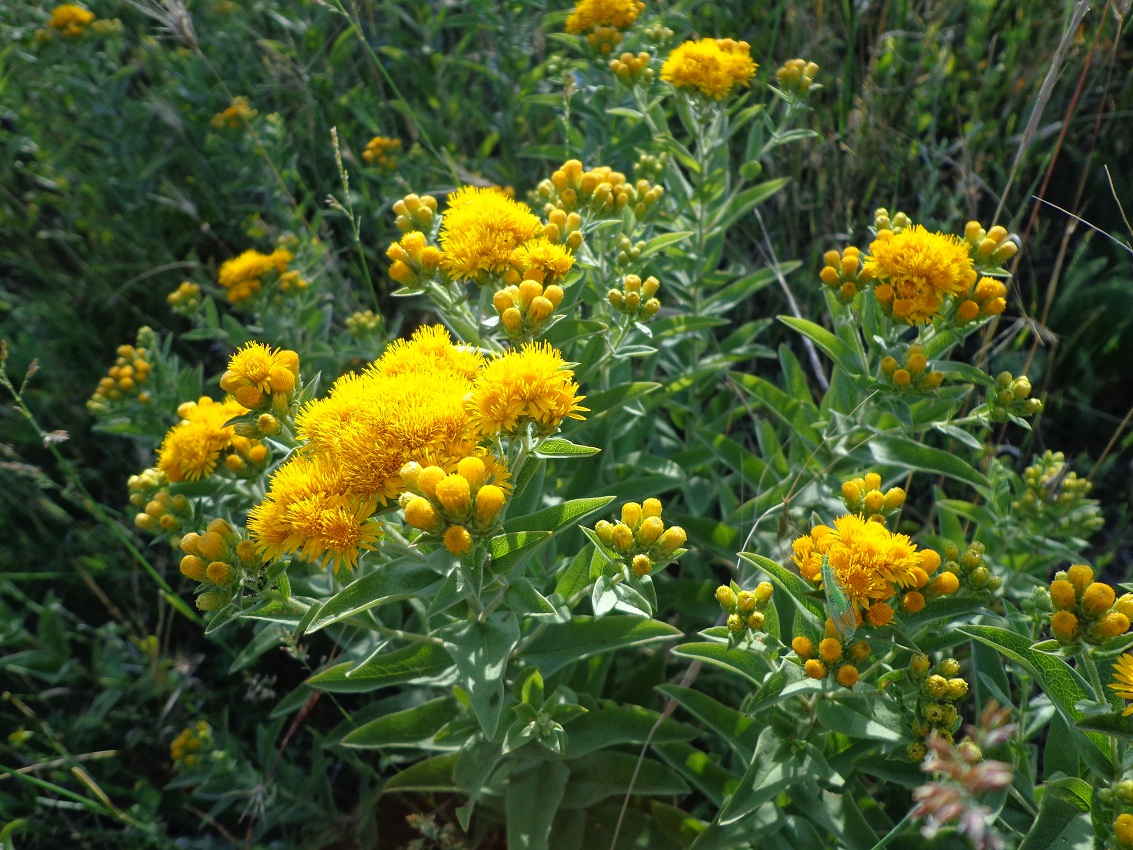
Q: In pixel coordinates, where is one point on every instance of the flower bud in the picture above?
(847, 675)
(815, 669)
(458, 540)
(213, 600)
(650, 531)
(1064, 626)
(641, 565)
(726, 597)
(803, 647)
(763, 592)
(1110, 625)
(918, 665)
(830, 650)
(218, 572)
(755, 621)
(623, 538)
(193, 567)
(1097, 599)
(605, 532)
(735, 623)
(745, 602)
(672, 540)
(421, 513)
(489, 501)
(428, 479)
(1081, 576)
(631, 514)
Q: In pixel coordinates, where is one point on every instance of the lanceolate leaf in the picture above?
(562, 643)
(389, 583)
(417, 661)
(481, 652)
(412, 727)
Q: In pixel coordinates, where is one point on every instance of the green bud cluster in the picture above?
(1053, 500)
(1012, 397)
(970, 568)
(938, 686)
(744, 607)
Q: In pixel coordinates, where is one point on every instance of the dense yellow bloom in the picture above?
(868, 560)
(1123, 680)
(191, 449)
(529, 385)
(916, 270)
(588, 14)
(712, 66)
(409, 407)
(70, 20)
(241, 275)
(379, 151)
(306, 511)
(430, 349)
(480, 231)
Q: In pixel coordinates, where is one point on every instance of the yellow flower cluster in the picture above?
(832, 657)
(633, 70)
(481, 232)
(124, 380)
(189, 743)
(845, 274)
(242, 277)
(1012, 397)
(218, 560)
(916, 270)
(192, 448)
(635, 298)
(600, 191)
(985, 299)
(1086, 610)
(235, 116)
(863, 496)
(969, 568)
(531, 386)
(458, 507)
(641, 540)
(990, 248)
(260, 378)
(744, 607)
(380, 152)
(363, 323)
(414, 261)
(185, 299)
(871, 566)
(525, 309)
(415, 212)
(589, 14)
(711, 66)
(939, 687)
(161, 511)
(425, 400)
(914, 376)
(796, 76)
(70, 20)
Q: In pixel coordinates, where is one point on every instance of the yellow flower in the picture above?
(529, 385)
(551, 261)
(429, 349)
(480, 231)
(240, 276)
(1123, 684)
(379, 152)
(712, 66)
(191, 449)
(258, 367)
(307, 512)
(588, 14)
(917, 269)
(868, 560)
(70, 19)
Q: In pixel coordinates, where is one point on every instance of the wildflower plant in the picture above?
(817, 569)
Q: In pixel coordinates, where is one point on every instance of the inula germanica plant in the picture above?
(566, 543)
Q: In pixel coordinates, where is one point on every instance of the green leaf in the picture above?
(417, 661)
(402, 579)
(796, 586)
(860, 721)
(533, 798)
(522, 598)
(660, 243)
(582, 637)
(577, 576)
(790, 410)
(432, 774)
(559, 447)
(832, 346)
(1061, 683)
(1115, 725)
(895, 450)
(701, 769)
(1059, 826)
(774, 766)
(749, 199)
(612, 725)
(510, 550)
(733, 659)
(739, 730)
(609, 400)
(480, 651)
(567, 330)
(612, 774)
(412, 727)
(558, 517)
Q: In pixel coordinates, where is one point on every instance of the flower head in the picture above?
(257, 370)
(241, 275)
(480, 231)
(191, 449)
(529, 385)
(70, 20)
(712, 66)
(869, 562)
(915, 270)
(1123, 680)
(588, 14)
